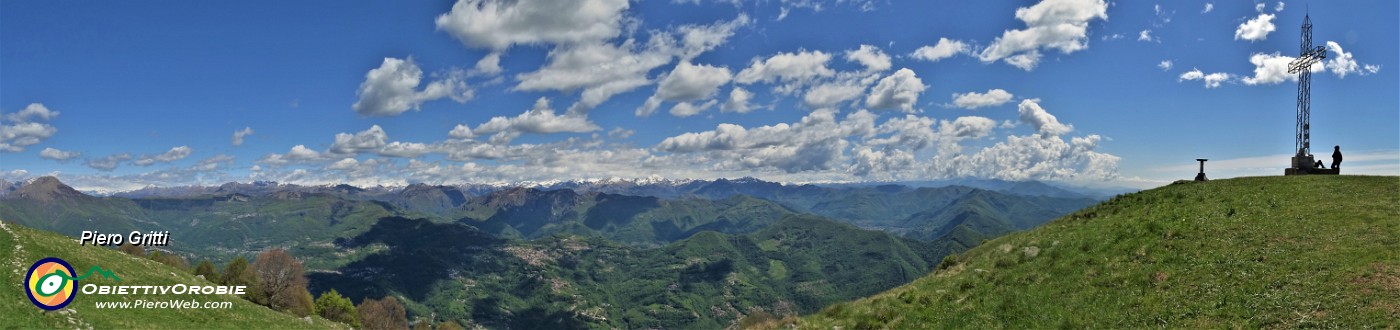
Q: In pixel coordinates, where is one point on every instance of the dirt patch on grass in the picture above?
(1386, 279)
(1160, 277)
(1391, 278)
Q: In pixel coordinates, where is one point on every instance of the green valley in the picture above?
(798, 264)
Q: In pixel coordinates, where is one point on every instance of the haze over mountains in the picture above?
(572, 254)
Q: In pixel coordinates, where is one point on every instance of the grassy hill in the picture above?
(1263, 252)
(23, 246)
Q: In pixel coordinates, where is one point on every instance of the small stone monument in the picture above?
(1202, 175)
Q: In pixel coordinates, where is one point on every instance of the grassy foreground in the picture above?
(20, 247)
(1260, 252)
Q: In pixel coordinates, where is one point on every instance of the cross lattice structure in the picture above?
(1307, 57)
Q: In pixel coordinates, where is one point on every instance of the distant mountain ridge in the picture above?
(1025, 188)
(47, 189)
(6, 187)
(920, 213)
(659, 187)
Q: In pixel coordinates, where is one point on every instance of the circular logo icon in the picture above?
(49, 283)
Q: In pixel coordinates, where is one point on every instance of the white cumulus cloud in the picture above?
(1025, 61)
(1042, 121)
(687, 82)
(899, 90)
(174, 154)
(1271, 69)
(368, 140)
(58, 155)
(831, 94)
(1036, 158)
(697, 39)
(815, 143)
(405, 149)
(945, 48)
(461, 132)
(109, 162)
(499, 24)
(24, 128)
(871, 57)
(390, 89)
(738, 101)
(31, 112)
(792, 69)
(1343, 63)
(301, 152)
(974, 100)
(1050, 24)
(488, 65)
(1256, 29)
(1211, 80)
(539, 120)
(1146, 35)
(599, 70)
(240, 134)
(687, 109)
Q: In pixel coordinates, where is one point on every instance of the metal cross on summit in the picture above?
(1307, 56)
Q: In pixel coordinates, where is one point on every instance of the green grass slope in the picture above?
(23, 246)
(1261, 252)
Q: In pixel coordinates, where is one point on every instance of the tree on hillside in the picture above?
(239, 272)
(301, 303)
(332, 306)
(170, 259)
(236, 272)
(207, 270)
(449, 325)
(135, 250)
(282, 282)
(382, 314)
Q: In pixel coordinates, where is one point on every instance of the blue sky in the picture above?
(117, 96)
